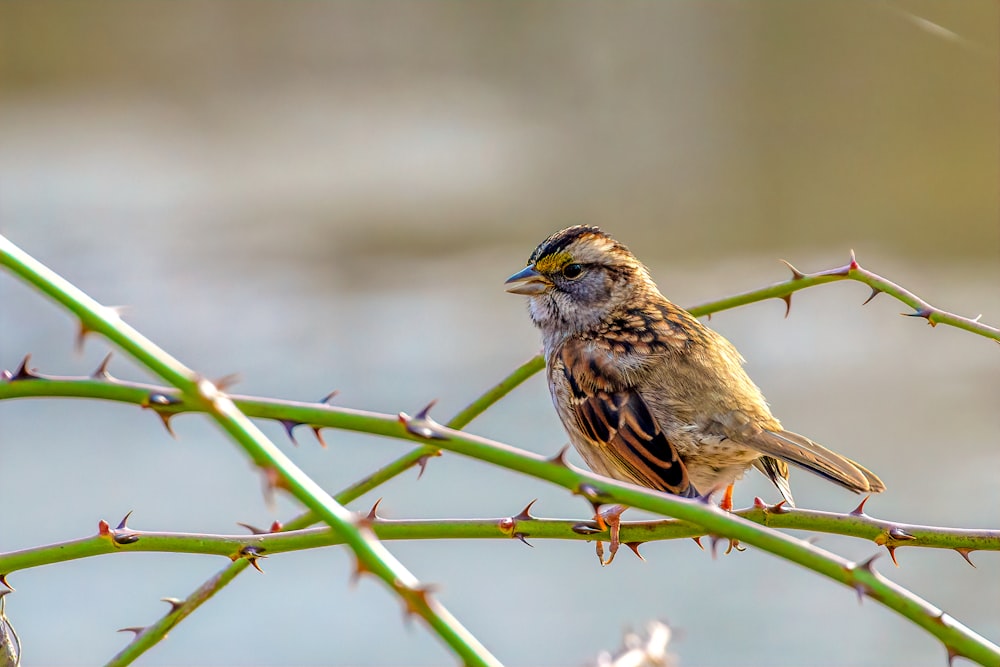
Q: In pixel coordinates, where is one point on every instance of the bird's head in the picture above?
(577, 277)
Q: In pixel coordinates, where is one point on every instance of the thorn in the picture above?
(359, 569)
(861, 590)
(122, 535)
(697, 540)
(588, 491)
(860, 509)
(319, 436)
(952, 654)
(634, 546)
(276, 526)
(102, 370)
(165, 418)
(560, 458)
(788, 304)
(592, 495)
(373, 512)
(759, 504)
(853, 266)
(160, 403)
(81, 334)
(924, 313)
(869, 563)
(521, 536)
(422, 462)
(421, 425)
(525, 514)
(103, 528)
(252, 554)
(778, 508)
(254, 530)
(227, 381)
(585, 529)
(977, 318)
(24, 372)
(3, 580)
(875, 292)
(329, 397)
(290, 425)
(892, 554)
(272, 480)
(137, 630)
(964, 553)
(423, 594)
(174, 603)
(900, 534)
(796, 274)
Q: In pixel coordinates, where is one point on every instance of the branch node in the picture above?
(421, 424)
(586, 529)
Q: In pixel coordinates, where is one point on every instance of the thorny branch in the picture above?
(278, 539)
(193, 394)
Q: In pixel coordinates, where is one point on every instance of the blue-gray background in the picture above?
(330, 196)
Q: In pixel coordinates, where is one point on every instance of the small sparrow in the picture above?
(647, 393)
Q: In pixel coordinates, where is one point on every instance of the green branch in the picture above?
(372, 556)
(156, 632)
(523, 526)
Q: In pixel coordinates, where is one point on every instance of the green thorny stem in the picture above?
(957, 639)
(179, 610)
(371, 555)
(27, 382)
(522, 526)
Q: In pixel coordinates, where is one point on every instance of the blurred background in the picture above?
(329, 196)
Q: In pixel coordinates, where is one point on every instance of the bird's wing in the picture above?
(815, 458)
(615, 418)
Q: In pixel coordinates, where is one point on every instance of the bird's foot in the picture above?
(612, 518)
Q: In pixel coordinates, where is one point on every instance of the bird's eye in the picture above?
(572, 271)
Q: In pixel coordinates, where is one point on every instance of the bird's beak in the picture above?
(529, 282)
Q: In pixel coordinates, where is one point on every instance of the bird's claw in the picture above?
(611, 519)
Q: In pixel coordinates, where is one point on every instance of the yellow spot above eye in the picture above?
(553, 263)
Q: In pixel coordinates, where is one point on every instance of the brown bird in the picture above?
(647, 393)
